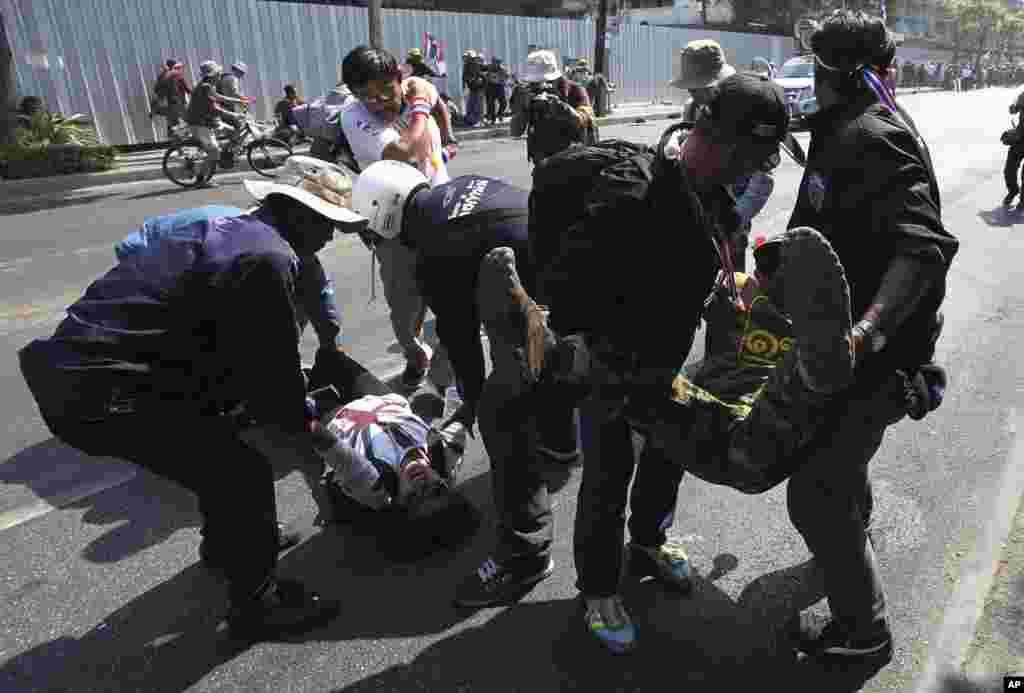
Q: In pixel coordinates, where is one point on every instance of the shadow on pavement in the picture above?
(704, 643)
(173, 189)
(953, 683)
(173, 636)
(1001, 216)
(51, 470)
(48, 202)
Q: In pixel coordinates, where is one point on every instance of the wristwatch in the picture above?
(873, 337)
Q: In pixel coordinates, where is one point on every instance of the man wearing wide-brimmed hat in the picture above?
(538, 113)
(185, 327)
(702, 65)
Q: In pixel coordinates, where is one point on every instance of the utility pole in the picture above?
(600, 55)
(8, 87)
(376, 24)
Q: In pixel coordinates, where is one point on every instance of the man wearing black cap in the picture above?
(739, 130)
(870, 189)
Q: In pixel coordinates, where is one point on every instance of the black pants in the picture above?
(609, 466)
(233, 482)
(513, 417)
(497, 101)
(1011, 171)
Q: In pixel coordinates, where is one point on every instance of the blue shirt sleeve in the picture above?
(156, 228)
(317, 300)
(753, 196)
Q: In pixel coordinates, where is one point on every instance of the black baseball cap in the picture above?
(751, 106)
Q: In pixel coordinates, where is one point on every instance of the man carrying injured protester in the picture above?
(822, 412)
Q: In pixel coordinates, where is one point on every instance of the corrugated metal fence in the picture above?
(101, 57)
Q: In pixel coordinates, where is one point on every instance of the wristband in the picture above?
(873, 337)
(421, 109)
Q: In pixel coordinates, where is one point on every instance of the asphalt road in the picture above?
(102, 592)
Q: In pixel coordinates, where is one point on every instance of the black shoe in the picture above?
(415, 372)
(1009, 198)
(565, 457)
(283, 607)
(831, 642)
(496, 583)
(286, 539)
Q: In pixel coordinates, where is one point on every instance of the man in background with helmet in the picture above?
(152, 359)
(230, 85)
(473, 266)
(203, 117)
(869, 187)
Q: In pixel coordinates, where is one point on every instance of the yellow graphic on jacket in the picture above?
(743, 346)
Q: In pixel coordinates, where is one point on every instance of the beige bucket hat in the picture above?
(324, 187)
(701, 64)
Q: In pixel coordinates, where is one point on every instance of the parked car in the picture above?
(796, 77)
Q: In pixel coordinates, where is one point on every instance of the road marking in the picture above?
(114, 475)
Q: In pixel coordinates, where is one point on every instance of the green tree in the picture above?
(1008, 32)
(975, 26)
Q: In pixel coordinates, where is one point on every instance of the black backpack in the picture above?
(621, 246)
(552, 126)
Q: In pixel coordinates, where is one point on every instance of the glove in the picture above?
(538, 341)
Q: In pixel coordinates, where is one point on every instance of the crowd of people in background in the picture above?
(956, 76)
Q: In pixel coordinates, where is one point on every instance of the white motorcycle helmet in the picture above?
(380, 194)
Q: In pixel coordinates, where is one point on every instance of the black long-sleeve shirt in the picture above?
(870, 189)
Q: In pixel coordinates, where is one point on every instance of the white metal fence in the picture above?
(100, 57)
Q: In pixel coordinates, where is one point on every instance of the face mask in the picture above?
(705, 159)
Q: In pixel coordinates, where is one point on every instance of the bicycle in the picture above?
(185, 159)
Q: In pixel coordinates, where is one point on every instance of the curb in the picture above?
(126, 174)
(132, 174)
(129, 174)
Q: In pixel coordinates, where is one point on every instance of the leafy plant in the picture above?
(43, 129)
(99, 158)
(17, 153)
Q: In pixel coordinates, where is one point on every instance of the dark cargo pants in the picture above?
(513, 416)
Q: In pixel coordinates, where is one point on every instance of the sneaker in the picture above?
(282, 607)
(1020, 206)
(496, 583)
(832, 642)
(668, 564)
(1009, 198)
(606, 619)
(817, 298)
(566, 458)
(286, 538)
